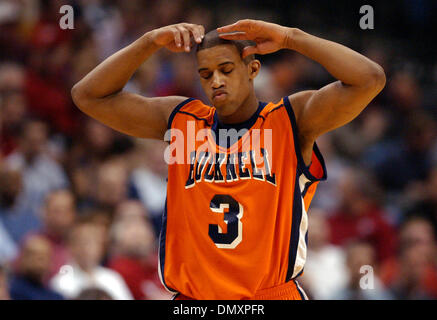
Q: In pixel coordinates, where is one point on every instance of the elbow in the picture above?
(75, 94)
(78, 95)
(377, 77)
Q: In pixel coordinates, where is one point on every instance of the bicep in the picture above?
(330, 107)
(133, 114)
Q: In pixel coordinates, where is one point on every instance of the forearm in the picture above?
(341, 62)
(113, 73)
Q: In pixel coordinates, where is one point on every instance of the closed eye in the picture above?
(206, 75)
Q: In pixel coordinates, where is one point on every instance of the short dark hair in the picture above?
(212, 39)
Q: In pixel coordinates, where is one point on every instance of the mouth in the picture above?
(219, 95)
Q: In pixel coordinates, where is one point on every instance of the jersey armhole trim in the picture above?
(176, 110)
(302, 167)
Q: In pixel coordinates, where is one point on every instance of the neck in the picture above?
(85, 267)
(247, 108)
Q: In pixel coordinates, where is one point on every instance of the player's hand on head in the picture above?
(178, 37)
(269, 37)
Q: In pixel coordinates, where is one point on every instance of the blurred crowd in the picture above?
(81, 205)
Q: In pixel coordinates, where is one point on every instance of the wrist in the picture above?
(290, 38)
(148, 40)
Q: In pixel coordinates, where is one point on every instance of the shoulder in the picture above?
(165, 105)
(298, 101)
(193, 108)
(293, 105)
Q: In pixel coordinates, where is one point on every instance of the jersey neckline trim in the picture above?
(248, 124)
(241, 125)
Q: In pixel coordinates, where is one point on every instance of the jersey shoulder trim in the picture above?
(316, 171)
(191, 107)
(176, 110)
(270, 107)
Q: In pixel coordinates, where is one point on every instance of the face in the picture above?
(10, 186)
(111, 184)
(136, 238)
(130, 211)
(14, 109)
(225, 78)
(420, 235)
(59, 212)
(358, 256)
(34, 139)
(99, 137)
(36, 257)
(87, 245)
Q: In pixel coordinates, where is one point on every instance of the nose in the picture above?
(217, 80)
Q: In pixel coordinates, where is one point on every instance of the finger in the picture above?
(230, 27)
(247, 51)
(186, 38)
(241, 25)
(239, 35)
(202, 31)
(177, 38)
(196, 35)
(196, 31)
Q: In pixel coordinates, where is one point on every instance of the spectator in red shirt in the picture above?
(359, 216)
(134, 252)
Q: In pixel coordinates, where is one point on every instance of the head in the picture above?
(112, 178)
(34, 261)
(86, 243)
(10, 185)
(359, 254)
(131, 232)
(420, 133)
(13, 109)
(133, 238)
(98, 137)
(93, 293)
(225, 76)
(359, 190)
(59, 212)
(34, 135)
(417, 233)
(416, 254)
(130, 210)
(12, 77)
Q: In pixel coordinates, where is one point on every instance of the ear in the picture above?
(253, 68)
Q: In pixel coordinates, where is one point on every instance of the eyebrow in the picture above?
(220, 64)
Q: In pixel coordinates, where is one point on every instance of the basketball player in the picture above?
(234, 227)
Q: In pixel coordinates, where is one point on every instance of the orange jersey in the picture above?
(235, 222)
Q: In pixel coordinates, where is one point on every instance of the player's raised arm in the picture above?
(318, 111)
(100, 93)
